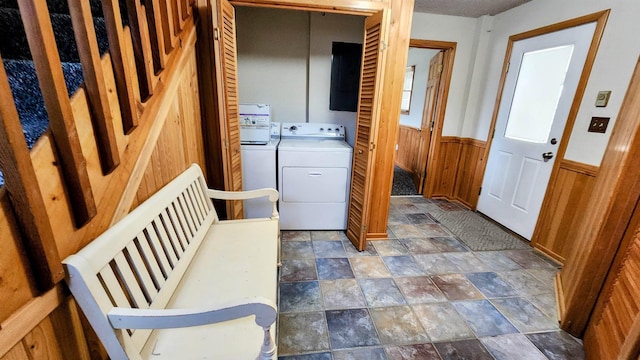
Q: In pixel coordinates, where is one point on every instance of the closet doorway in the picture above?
(427, 80)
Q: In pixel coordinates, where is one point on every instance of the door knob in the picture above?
(547, 156)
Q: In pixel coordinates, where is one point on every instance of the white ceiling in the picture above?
(467, 8)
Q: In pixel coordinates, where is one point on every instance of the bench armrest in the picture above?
(128, 318)
(245, 195)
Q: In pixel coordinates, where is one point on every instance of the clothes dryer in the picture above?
(314, 176)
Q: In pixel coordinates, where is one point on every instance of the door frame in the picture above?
(600, 18)
(433, 152)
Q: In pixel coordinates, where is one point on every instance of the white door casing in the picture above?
(539, 89)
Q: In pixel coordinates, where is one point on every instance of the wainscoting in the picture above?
(458, 164)
(459, 170)
(562, 210)
(409, 149)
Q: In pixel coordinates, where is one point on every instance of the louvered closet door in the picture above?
(233, 176)
(613, 332)
(366, 128)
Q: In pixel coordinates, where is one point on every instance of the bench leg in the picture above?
(268, 346)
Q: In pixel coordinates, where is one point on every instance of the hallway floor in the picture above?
(421, 295)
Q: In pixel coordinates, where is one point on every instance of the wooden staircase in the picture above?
(71, 69)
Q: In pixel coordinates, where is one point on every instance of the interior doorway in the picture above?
(427, 79)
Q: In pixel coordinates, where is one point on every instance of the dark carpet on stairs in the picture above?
(18, 64)
(402, 183)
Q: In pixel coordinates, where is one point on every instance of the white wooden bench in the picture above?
(172, 281)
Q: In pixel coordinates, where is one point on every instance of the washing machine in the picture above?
(314, 176)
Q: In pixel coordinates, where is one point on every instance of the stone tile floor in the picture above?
(420, 295)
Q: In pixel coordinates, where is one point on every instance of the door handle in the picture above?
(547, 156)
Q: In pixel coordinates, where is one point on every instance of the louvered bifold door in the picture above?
(366, 127)
(613, 332)
(233, 176)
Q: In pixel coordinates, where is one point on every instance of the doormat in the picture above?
(478, 233)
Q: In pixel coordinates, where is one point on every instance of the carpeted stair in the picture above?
(20, 67)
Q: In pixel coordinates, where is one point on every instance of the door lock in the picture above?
(547, 156)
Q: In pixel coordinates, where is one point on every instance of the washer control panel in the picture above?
(313, 130)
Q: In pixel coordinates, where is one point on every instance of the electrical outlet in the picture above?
(598, 124)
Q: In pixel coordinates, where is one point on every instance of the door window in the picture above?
(538, 90)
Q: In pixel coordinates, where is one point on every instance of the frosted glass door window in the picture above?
(538, 89)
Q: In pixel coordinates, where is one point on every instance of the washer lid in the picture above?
(314, 145)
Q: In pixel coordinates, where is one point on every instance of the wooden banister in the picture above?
(24, 193)
(141, 47)
(40, 37)
(123, 73)
(95, 83)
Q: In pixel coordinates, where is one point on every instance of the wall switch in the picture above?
(603, 98)
(598, 124)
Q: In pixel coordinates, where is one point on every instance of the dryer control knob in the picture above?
(293, 128)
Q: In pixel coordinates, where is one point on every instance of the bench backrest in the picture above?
(139, 261)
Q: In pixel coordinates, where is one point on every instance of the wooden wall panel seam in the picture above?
(22, 321)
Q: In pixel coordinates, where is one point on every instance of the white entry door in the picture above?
(539, 88)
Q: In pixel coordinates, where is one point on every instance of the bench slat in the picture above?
(167, 243)
(199, 200)
(159, 252)
(195, 205)
(173, 242)
(146, 282)
(187, 213)
(170, 227)
(182, 222)
(113, 287)
(151, 261)
(130, 282)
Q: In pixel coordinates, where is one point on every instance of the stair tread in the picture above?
(28, 97)
(15, 46)
(57, 6)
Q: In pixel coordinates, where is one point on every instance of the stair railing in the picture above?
(152, 30)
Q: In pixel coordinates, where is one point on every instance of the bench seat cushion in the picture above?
(236, 260)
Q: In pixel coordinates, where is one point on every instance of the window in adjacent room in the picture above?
(345, 76)
(407, 89)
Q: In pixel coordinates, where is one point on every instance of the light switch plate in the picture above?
(603, 98)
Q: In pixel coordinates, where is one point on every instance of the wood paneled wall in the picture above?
(458, 174)
(180, 143)
(598, 237)
(447, 169)
(469, 176)
(407, 154)
(561, 214)
(37, 325)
